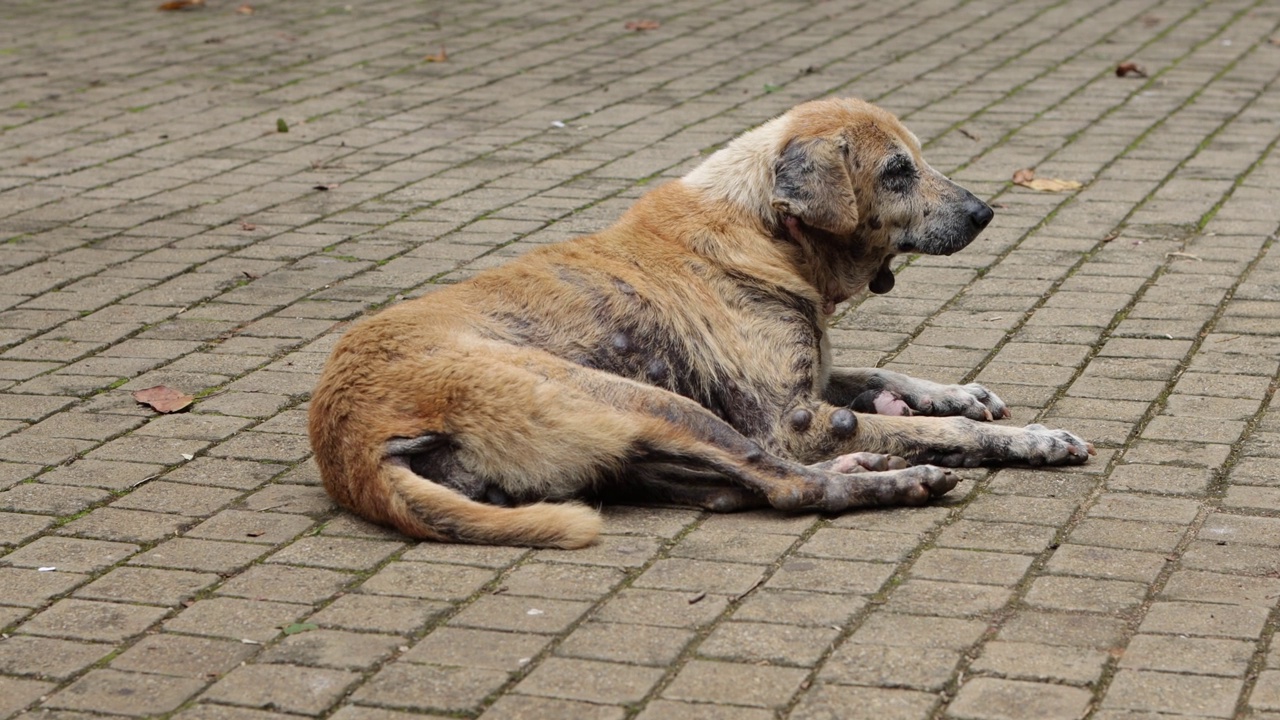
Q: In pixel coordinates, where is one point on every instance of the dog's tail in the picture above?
(424, 509)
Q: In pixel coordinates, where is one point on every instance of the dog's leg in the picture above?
(950, 442)
(873, 390)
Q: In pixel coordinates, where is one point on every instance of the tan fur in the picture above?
(672, 355)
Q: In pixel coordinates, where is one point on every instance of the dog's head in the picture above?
(850, 169)
(846, 178)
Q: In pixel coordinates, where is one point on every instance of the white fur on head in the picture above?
(741, 173)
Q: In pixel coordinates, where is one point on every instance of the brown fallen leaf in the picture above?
(1025, 175)
(1274, 40)
(442, 56)
(163, 399)
(1125, 69)
(245, 9)
(181, 4)
(642, 25)
(247, 226)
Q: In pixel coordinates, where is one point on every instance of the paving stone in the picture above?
(469, 647)
(236, 618)
(527, 707)
(662, 608)
(1201, 695)
(1197, 586)
(1069, 593)
(151, 586)
(1206, 656)
(107, 474)
(125, 693)
(927, 597)
(428, 580)
(734, 683)
(50, 499)
(997, 699)
(517, 614)
(429, 687)
(133, 526)
(16, 528)
(49, 658)
(251, 527)
(1064, 628)
(673, 710)
(220, 472)
(308, 691)
(18, 693)
(183, 656)
(376, 613)
(70, 554)
(799, 608)
(1266, 693)
(970, 566)
(589, 681)
(209, 711)
(700, 576)
(1000, 537)
(159, 496)
(909, 666)
(1110, 563)
(288, 499)
(92, 620)
(835, 576)
(29, 587)
(285, 583)
(199, 555)
(1209, 619)
(1043, 663)
(863, 703)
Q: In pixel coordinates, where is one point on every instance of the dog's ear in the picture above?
(811, 182)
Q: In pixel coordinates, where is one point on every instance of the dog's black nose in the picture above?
(980, 215)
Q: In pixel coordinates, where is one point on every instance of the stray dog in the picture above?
(679, 355)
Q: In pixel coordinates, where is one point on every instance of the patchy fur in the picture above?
(680, 355)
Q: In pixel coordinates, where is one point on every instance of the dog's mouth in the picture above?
(884, 280)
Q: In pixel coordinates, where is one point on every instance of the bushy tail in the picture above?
(424, 509)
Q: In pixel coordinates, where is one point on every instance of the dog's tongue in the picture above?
(883, 281)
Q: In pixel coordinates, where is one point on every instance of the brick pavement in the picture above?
(156, 227)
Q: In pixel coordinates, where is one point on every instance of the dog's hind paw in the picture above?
(861, 462)
(912, 486)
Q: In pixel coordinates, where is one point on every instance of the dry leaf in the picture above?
(247, 226)
(163, 399)
(181, 4)
(1052, 185)
(1024, 176)
(1125, 69)
(245, 9)
(642, 25)
(442, 56)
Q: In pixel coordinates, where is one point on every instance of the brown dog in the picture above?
(678, 355)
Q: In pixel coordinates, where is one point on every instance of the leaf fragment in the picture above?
(181, 5)
(1026, 177)
(1125, 69)
(642, 25)
(281, 125)
(163, 398)
(296, 628)
(442, 56)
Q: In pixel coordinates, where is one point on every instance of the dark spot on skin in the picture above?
(800, 420)
(843, 423)
(622, 343)
(657, 371)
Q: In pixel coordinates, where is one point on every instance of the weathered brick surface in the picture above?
(156, 228)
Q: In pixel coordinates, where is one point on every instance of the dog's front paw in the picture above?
(1039, 445)
(972, 401)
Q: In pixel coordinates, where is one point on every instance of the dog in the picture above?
(679, 355)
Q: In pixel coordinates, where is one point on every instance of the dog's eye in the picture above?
(899, 173)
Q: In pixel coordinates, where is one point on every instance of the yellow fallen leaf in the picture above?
(1052, 185)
